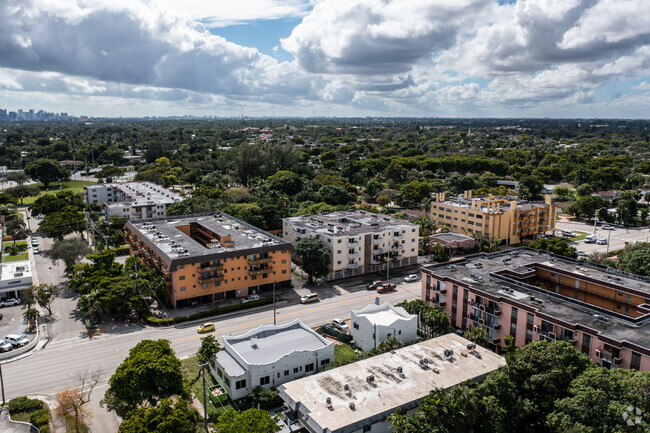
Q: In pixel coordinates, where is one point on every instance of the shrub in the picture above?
(267, 398)
(168, 321)
(40, 418)
(24, 404)
(121, 251)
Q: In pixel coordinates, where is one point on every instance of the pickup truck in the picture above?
(386, 287)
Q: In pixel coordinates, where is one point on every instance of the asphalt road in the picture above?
(617, 237)
(55, 367)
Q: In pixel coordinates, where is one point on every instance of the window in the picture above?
(240, 384)
(635, 362)
(324, 361)
(181, 266)
(182, 289)
(265, 380)
(399, 332)
(278, 375)
(309, 367)
(286, 372)
(284, 271)
(355, 325)
(367, 428)
(295, 370)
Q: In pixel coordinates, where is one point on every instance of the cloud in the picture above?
(644, 85)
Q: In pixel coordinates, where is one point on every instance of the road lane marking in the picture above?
(323, 307)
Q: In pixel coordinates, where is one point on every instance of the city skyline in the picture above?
(423, 58)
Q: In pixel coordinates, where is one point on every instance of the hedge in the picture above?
(24, 404)
(121, 251)
(40, 419)
(168, 321)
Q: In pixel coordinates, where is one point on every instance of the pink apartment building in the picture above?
(534, 295)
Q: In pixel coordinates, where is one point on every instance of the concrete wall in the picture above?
(364, 337)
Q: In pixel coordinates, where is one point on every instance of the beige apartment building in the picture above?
(509, 220)
(357, 240)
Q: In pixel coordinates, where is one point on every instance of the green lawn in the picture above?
(16, 258)
(68, 185)
(190, 369)
(344, 354)
(581, 236)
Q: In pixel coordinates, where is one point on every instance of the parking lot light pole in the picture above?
(205, 401)
(2, 384)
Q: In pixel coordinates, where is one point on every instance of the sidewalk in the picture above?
(7, 426)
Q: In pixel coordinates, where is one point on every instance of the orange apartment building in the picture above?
(510, 221)
(210, 257)
(534, 295)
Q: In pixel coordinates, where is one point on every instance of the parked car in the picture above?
(568, 234)
(374, 285)
(590, 239)
(328, 327)
(5, 346)
(250, 298)
(34, 242)
(386, 287)
(312, 297)
(36, 250)
(606, 227)
(602, 241)
(340, 325)
(581, 253)
(206, 327)
(410, 278)
(16, 340)
(9, 302)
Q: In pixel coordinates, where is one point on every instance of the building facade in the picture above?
(134, 200)
(533, 295)
(510, 221)
(359, 241)
(210, 257)
(375, 323)
(269, 356)
(359, 397)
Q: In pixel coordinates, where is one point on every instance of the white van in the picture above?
(591, 239)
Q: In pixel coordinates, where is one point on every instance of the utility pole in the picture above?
(205, 401)
(2, 384)
(274, 313)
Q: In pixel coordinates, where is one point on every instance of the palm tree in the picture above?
(477, 335)
(31, 316)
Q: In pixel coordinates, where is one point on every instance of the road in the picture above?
(55, 367)
(617, 237)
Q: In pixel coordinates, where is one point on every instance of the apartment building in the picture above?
(210, 257)
(510, 221)
(269, 356)
(358, 240)
(359, 397)
(534, 295)
(134, 200)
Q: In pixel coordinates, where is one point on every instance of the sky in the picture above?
(426, 58)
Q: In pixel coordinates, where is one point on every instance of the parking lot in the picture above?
(617, 238)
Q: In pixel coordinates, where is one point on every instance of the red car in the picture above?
(386, 287)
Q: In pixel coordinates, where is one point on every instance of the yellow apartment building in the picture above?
(210, 257)
(511, 221)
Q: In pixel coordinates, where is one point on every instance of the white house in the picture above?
(269, 356)
(375, 323)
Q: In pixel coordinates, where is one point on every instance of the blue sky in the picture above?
(546, 58)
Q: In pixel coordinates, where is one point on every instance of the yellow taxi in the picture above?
(206, 327)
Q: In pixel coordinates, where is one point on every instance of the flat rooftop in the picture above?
(482, 271)
(165, 236)
(13, 270)
(505, 204)
(384, 314)
(268, 344)
(376, 399)
(349, 223)
(141, 194)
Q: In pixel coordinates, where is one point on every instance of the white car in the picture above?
(568, 234)
(581, 253)
(36, 250)
(602, 241)
(16, 340)
(9, 302)
(410, 278)
(250, 298)
(5, 347)
(340, 325)
(606, 227)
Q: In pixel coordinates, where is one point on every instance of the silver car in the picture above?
(16, 340)
(5, 347)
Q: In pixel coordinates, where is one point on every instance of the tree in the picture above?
(556, 246)
(314, 257)
(635, 259)
(477, 335)
(383, 200)
(109, 171)
(69, 250)
(17, 229)
(150, 373)
(208, 350)
(249, 421)
(17, 176)
(166, 417)
(47, 171)
(59, 224)
(51, 203)
(391, 343)
(584, 190)
(31, 315)
(22, 191)
(72, 401)
(43, 295)
(599, 397)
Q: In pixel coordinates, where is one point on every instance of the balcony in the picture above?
(443, 290)
(260, 260)
(396, 247)
(353, 242)
(352, 265)
(218, 267)
(353, 255)
(497, 312)
(397, 236)
(260, 271)
(496, 341)
(211, 279)
(496, 326)
(378, 241)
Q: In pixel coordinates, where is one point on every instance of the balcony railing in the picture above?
(353, 255)
(218, 267)
(211, 279)
(261, 260)
(378, 241)
(260, 271)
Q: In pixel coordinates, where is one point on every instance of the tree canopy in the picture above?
(314, 257)
(166, 417)
(249, 421)
(47, 171)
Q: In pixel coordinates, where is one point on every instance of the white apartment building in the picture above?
(375, 323)
(358, 240)
(269, 356)
(134, 200)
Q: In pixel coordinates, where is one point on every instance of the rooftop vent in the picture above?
(328, 400)
(449, 353)
(471, 346)
(352, 405)
(370, 379)
(346, 387)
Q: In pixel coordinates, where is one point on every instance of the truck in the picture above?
(591, 239)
